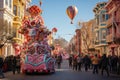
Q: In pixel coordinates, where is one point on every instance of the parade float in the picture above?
(36, 50)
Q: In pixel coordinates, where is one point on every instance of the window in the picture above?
(97, 36)
(103, 34)
(103, 17)
(6, 2)
(10, 4)
(107, 16)
(18, 11)
(97, 20)
(10, 27)
(15, 10)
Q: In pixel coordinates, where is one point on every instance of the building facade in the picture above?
(113, 26)
(6, 19)
(87, 37)
(101, 17)
(19, 11)
(78, 41)
(11, 14)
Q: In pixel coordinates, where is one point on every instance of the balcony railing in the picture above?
(109, 38)
(17, 18)
(117, 35)
(109, 21)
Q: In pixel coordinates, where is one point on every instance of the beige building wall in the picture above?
(6, 19)
(87, 36)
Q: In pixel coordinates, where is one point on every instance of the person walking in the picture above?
(104, 64)
(18, 60)
(59, 61)
(95, 63)
(87, 62)
(1, 66)
(118, 69)
(13, 64)
(74, 62)
(70, 61)
(79, 62)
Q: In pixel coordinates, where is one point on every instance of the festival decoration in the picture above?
(54, 30)
(71, 12)
(35, 10)
(35, 47)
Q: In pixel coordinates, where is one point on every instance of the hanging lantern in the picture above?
(35, 10)
(40, 2)
(54, 30)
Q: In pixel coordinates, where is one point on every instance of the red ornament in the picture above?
(54, 30)
(35, 10)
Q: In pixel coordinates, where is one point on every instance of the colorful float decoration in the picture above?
(37, 56)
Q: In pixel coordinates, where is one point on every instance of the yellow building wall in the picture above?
(18, 18)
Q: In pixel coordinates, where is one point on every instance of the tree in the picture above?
(86, 35)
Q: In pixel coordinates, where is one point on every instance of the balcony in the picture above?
(17, 20)
(109, 22)
(117, 38)
(109, 38)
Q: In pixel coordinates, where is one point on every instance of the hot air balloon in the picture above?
(71, 12)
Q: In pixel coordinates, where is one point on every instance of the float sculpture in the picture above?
(37, 51)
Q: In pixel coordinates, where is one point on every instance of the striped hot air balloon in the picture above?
(71, 12)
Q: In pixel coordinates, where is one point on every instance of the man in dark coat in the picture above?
(70, 61)
(104, 64)
(87, 62)
(14, 64)
(59, 61)
(1, 65)
(18, 60)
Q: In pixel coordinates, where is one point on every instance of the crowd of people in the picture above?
(98, 64)
(10, 63)
(110, 64)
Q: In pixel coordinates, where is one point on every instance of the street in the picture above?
(62, 74)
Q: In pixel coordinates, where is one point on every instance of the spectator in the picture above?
(70, 61)
(1, 66)
(87, 62)
(118, 65)
(104, 64)
(95, 62)
(14, 64)
(18, 60)
(74, 62)
(110, 62)
(79, 62)
(59, 61)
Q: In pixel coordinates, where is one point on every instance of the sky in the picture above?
(54, 15)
